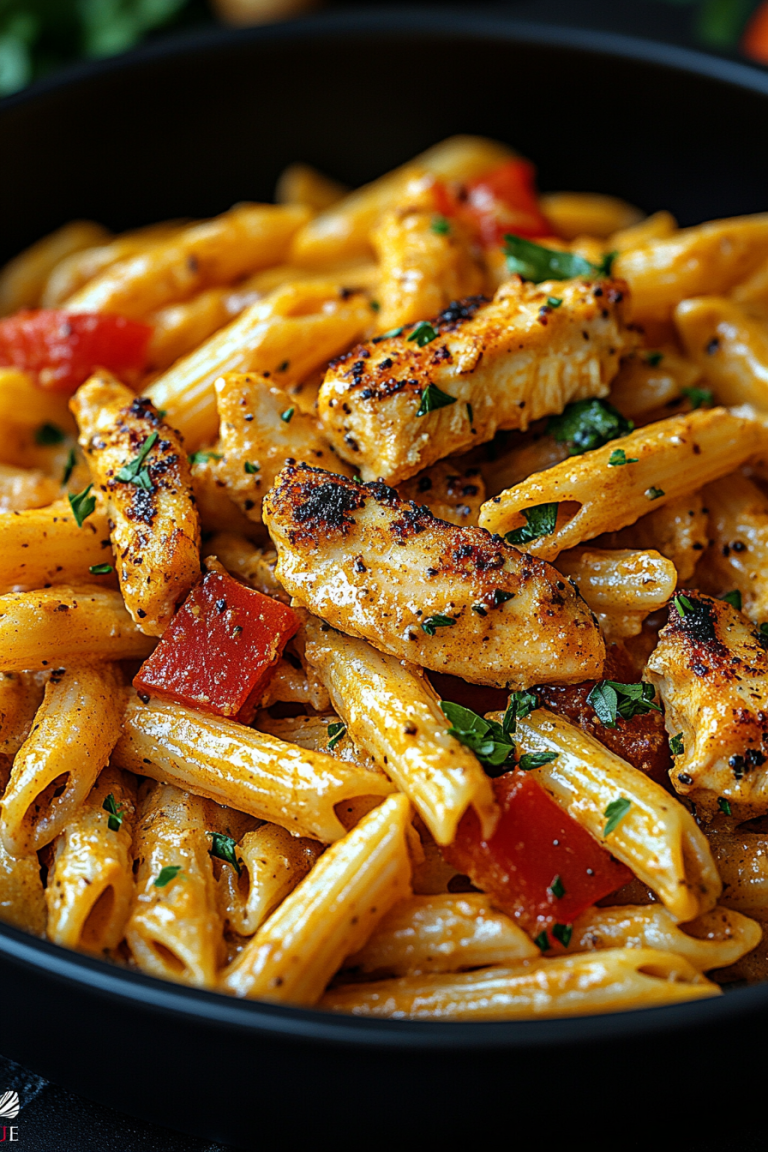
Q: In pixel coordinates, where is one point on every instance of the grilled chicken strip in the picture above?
(479, 366)
(139, 463)
(711, 669)
(451, 599)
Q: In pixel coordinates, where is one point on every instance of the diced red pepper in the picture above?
(536, 847)
(502, 200)
(220, 650)
(62, 349)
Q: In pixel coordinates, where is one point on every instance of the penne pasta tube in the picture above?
(342, 232)
(60, 626)
(729, 346)
(679, 530)
(620, 580)
(536, 453)
(248, 237)
(44, 546)
(25, 404)
(752, 293)
(656, 837)
(22, 899)
(21, 694)
(312, 732)
(611, 981)
(709, 258)
(442, 934)
(175, 928)
(75, 730)
(23, 279)
(647, 381)
(254, 566)
(737, 557)
(217, 511)
(393, 714)
(272, 862)
(22, 488)
(715, 939)
(303, 184)
(664, 461)
(178, 328)
(242, 768)
(574, 214)
(330, 914)
(742, 860)
(289, 334)
(90, 884)
(656, 227)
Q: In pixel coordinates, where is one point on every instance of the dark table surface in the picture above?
(54, 1120)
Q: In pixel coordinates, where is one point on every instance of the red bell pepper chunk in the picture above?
(220, 650)
(505, 200)
(62, 349)
(539, 866)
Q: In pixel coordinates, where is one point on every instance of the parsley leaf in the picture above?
(440, 226)
(683, 604)
(251, 468)
(542, 941)
(698, 396)
(521, 704)
(733, 598)
(374, 306)
(204, 456)
(116, 815)
(470, 415)
(48, 434)
(654, 358)
(487, 739)
(168, 873)
(536, 263)
(287, 415)
(588, 424)
(724, 805)
(69, 467)
(563, 933)
(536, 760)
(554, 301)
(82, 505)
(432, 622)
(676, 745)
(557, 887)
(610, 699)
(619, 456)
(223, 848)
(423, 333)
(432, 398)
(336, 731)
(100, 569)
(654, 493)
(134, 472)
(615, 813)
(540, 520)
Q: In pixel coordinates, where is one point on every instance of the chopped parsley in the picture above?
(100, 569)
(48, 434)
(480, 609)
(536, 760)
(432, 398)
(470, 415)
(683, 604)
(554, 301)
(134, 472)
(204, 456)
(615, 813)
(653, 493)
(542, 941)
(698, 396)
(733, 598)
(563, 933)
(521, 704)
(486, 738)
(432, 622)
(251, 468)
(611, 700)
(168, 873)
(69, 466)
(374, 306)
(336, 731)
(588, 424)
(440, 226)
(654, 359)
(724, 805)
(501, 597)
(676, 745)
(82, 505)
(116, 814)
(223, 848)
(536, 263)
(388, 335)
(557, 888)
(540, 520)
(287, 415)
(619, 456)
(423, 333)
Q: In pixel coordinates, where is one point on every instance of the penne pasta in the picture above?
(175, 929)
(254, 566)
(331, 913)
(679, 530)
(620, 581)
(90, 884)
(729, 346)
(64, 625)
(23, 279)
(21, 694)
(574, 214)
(272, 862)
(178, 328)
(656, 227)
(742, 860)
(664, 461)
(442, 934)
(22, 898)
(22, 488)
(737, 557)
(242, 768)
(657, 837)
(303, 184)
(648, 381)
(44, 546)
(610, 981)
(75, 730)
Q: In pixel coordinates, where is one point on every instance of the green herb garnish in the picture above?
(554, 301)
(654, 359)
(619, 456)
(251, 468)
(588, 424)
(536, 760)
(683, 604)
(82, 505)
(168, 873)
(432, 398)
(100, 569)
(223, 848)
(134, 472)
(654, 493)
(116, 814)
(48, 434)
(542, 941)
(440, 226)
(540, 520)
(520, 705)
(676, 745)
(69, 466)
(470, 415)
(423, 333)
(486, 738)
(287, 415)
(610, 699)
(615, 813)
(733, 598)
(557, 888)
(204, 456)
(336, 731)
(536, 263)
(563, 933)
(374, 306)
(432, 622)
(698, 396)
(724, 805)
